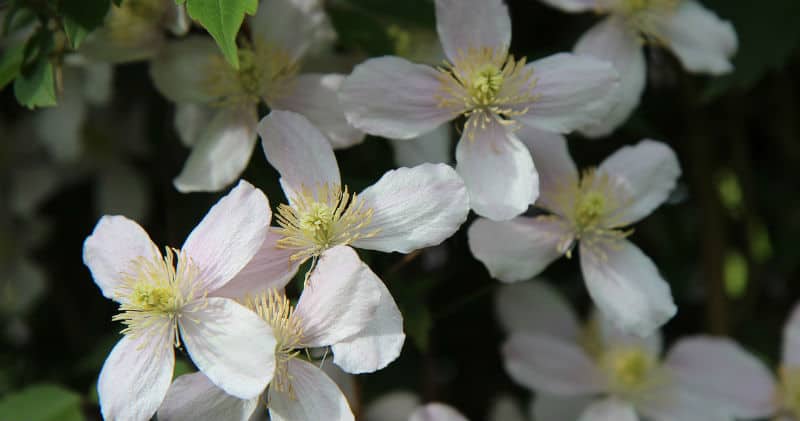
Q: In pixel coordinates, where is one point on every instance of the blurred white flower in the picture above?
(405, 406)
(592, 208)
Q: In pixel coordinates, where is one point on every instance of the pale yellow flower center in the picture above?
(630, 370)
(645, 16)
(789, 390)
(134, 20)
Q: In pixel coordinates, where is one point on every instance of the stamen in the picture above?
(133, 21)
(630, 370)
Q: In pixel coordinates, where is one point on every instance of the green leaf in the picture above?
(36, 88)
(81, 17)
(11, 63)
(45, 402)
(222, 19)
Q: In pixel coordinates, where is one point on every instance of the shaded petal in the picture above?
(176, 19)
(59, 128)
(518, 249)
(614, 41)
(345, 381)
(536, 307)
(221, 153)
(393, 406)
(572, 5)
(316, 397)
(190, 121)
(414, 208)
(230, 344)
(433, 147)
(120, 189)
(610, 335)
(296, 26)
(111, 250)
(572, 91)
(626, 286)
(673, 402)
(182, 70)
(609, 410)
(554, 164)
(648, 171)
(472, 24)
(192, 397)
(412, 88)
(498, 171)
(790, 355)
(559, 408)
(505, 408)
(550, 365)
(316, 97)
(436, 412)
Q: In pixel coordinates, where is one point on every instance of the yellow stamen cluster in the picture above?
(789, 391)
(314, 223)
(645, 15)
(487, 83)
(134, 20)
(630, 370)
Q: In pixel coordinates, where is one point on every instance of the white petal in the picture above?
(433, 147)
(340, 299)
(316, 397)
(136, 375)
(472, 24)
(110, 251)
(376, 346)
(554, 164)
(296, 26)
(221, 152)
(345, 381)
(536, 307)
(299, 151)
(610, 335)
(518, 249)
(59, 128)
(414, 208)
(190, 121)
(316, 97)
(648, 171)
(724, 374)
(436, 412)
(790, 356)
(626, 286)
(98, 82)
(120, 189)
(181, 71)
(505, 408)
(572, 5)
(671, 401)
(393, 406)
(703, 42)
(192, 397)
(498, 171)
(614, 41)
(230, 344)
(559, 408)
(609, 410)
(412, 89)
(550, 365)
(572, 92)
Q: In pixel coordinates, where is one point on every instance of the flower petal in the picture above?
(436, 412)
(559, 408)
(120, 189)
(472, 24)
(610, 335)
(414, 208)
(316, 397)
(550, 365)
(230, 234)
(613, 40)
(572, 5)
(114, 245)
(505, 408)
(572, 91)
(190, 121)
(648, 171)
(230, 344)
(626, 286)
(192, 397)
(412, 108)
(296, 26)
(299, 151)
(609, 410)
(221, 153)
(790, 356)
(498, 171)
(518, 249)
(181, 71)
(536, 307)
(433, 147)
(393, 406)
(554, 164)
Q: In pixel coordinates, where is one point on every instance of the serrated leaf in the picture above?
(37, 87)
(10, 64)
(45, 402)
(222, 19)
(81, 17)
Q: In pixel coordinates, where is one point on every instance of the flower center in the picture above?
(646, 15)
(789, 390)
(133, 21)
(629, 370)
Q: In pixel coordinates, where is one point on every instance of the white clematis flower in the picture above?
(702, 42)
(342, 297)
(593, 209)
(405, 406)
(168, 300)
(217, 105)
(394, 98)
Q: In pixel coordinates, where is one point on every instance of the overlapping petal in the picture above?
(192, 397)
(472, 24)
(316, 397)
(536, 307)
(182, 70)
(295, 26)
(554, 164)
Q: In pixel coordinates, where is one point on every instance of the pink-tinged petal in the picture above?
(610, 335)
(609, 410)
(791, 340)
(572, 91)
(340, 299)
(296, 26)
(315, 397)
(436, 412)
(518, 249)
(536, 307)
(648, 171)
(299, 151)
(221, 152)
(572, 5)
(228, 237)
(505, 408)
(433, 147)
(498, 171)
(627, 288)
(472, 24)
(724, 374)
(182, 70)
(315, 96)
(703, 42)
(412, 107)
(230, 344)
(136, 375)
(393, 406)
(378, 344)
(559, 408)
(269, 269)
(550, 365)
(613, 40)
(414, 208)
(555, 166)
(190, 121)
(192, 397)
(109, 253)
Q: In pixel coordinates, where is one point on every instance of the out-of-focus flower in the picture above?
(168, 300)
(592, 208)
(394, 98)
(505, 408)
(703, 43)
(405, 406)
(217, 104)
